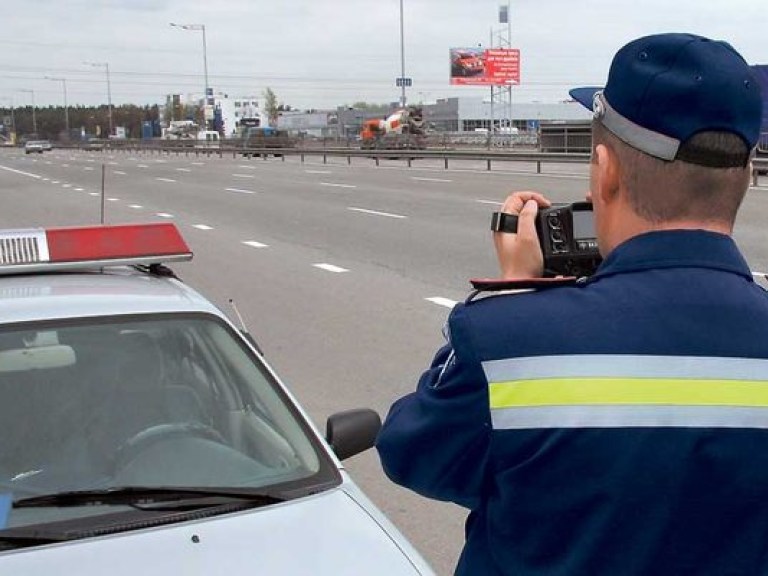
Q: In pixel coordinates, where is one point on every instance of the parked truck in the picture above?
(257, 140)
(404, 129)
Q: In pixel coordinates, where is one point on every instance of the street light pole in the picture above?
(105, 65)
(66, 108)
(200, 28)
(34, 116)
(402, 55)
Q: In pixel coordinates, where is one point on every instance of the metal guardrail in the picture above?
(488, 156)
(760, 164)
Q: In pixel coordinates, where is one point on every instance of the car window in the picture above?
(166, 400)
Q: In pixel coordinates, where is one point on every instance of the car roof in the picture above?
(114, 291)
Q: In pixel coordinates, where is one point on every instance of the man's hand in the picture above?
(520, 254)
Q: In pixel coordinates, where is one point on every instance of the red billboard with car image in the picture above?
(485, 66)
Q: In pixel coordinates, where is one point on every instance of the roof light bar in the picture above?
(37, 249)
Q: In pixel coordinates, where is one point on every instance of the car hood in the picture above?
(335, 532)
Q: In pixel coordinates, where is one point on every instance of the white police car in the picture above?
(142, 433)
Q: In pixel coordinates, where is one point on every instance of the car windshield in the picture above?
(165, 401)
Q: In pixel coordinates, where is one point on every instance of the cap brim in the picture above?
(585, 95)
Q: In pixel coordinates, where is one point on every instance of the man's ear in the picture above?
(608, 179)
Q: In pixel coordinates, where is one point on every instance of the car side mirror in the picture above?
(352, 431)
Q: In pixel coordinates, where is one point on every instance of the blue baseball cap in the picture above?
(665, 88)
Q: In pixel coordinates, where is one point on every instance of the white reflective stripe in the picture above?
(629, 417)
(624, 366)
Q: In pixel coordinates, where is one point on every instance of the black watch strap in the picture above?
(504, 222)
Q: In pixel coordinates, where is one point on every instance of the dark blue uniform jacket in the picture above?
(615, 427)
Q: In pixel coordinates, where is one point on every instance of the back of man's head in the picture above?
(682, 114)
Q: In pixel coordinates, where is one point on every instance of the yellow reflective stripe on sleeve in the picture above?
(628, 391)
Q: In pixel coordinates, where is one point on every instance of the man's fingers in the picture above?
(526, 223)
(515, 202)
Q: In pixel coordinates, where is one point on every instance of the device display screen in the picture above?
(583, 225)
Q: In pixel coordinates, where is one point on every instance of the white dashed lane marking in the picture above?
(254, 244)
(119, 172)
(136, 206)
(333, 185)
(164, 215)
(165, 179)
(422, 179)
(243, 176)
(330, 268)
(376, 212)
(240, 190)
(202, 226)
(183, 170)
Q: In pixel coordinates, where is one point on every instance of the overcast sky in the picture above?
(324, 53)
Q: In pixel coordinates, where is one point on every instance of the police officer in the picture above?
(616, 426)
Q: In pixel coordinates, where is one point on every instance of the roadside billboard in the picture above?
(485, 67)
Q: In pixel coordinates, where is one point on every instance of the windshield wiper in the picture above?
(148, 507)
(153, 497)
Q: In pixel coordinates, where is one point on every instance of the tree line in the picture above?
(84, 121)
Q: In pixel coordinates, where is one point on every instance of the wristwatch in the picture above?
(504, 222)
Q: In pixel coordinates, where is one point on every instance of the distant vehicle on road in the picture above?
(209, 139)
(95, 144)
(38, 146)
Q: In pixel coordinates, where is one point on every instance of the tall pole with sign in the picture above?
(509, 37)
(506, 42)
(402, 80)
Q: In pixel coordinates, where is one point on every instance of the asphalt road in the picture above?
(343, 273)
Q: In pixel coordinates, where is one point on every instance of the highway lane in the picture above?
(396, 247)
